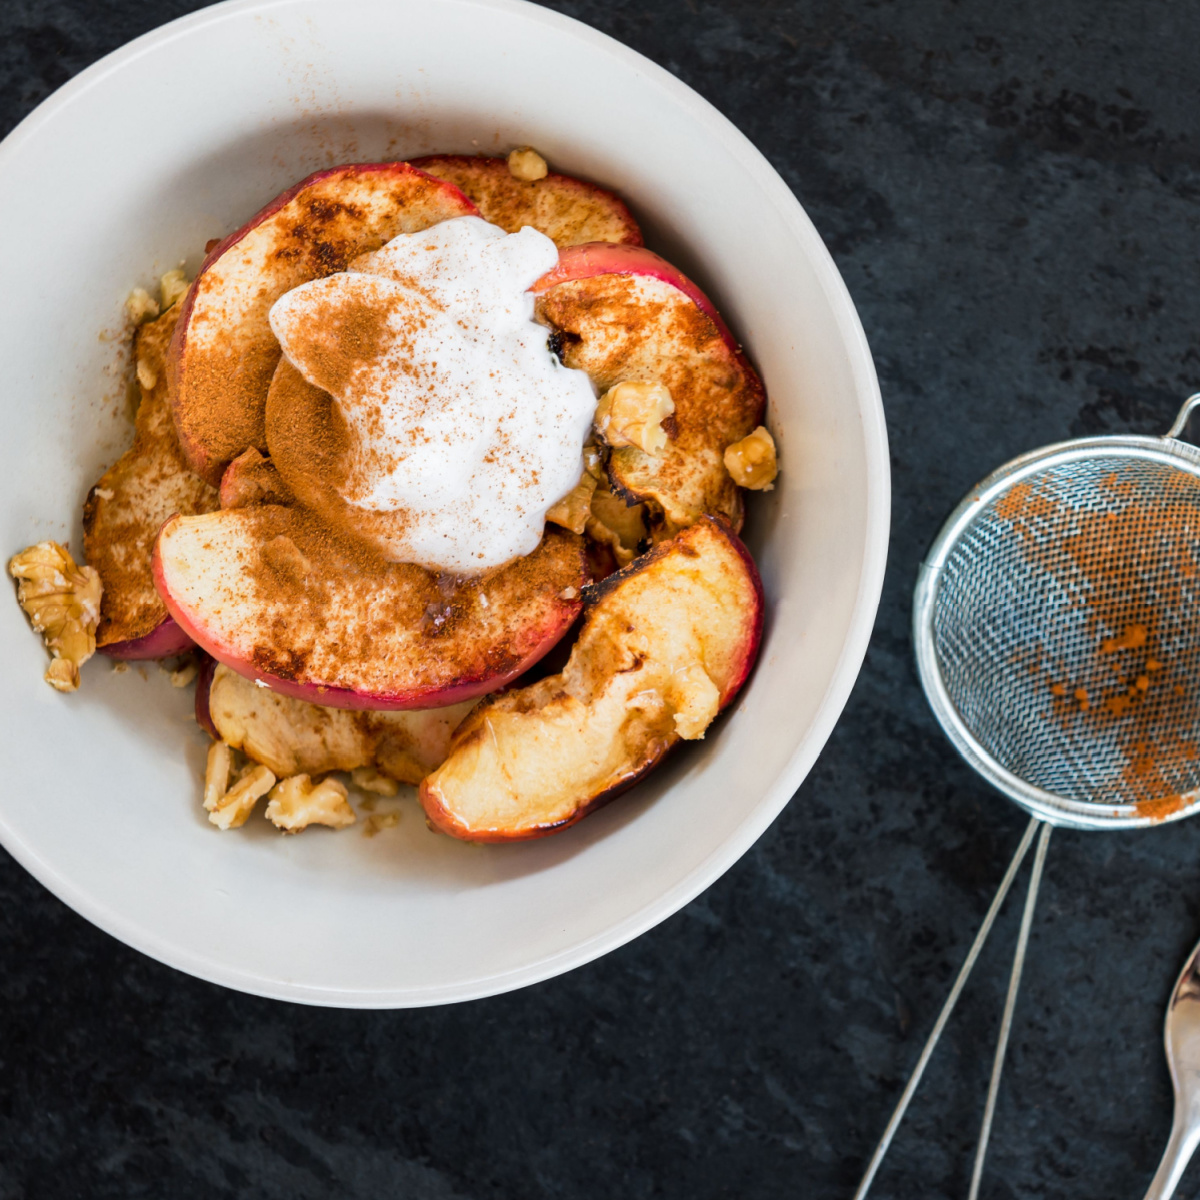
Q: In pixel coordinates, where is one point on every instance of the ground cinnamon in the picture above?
(1131, 568)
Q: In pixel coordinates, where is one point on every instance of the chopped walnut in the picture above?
(527, 164)
(293, 737)
(296, 803)
(216, 774)
(620, 526)
(183, 674)
(141, 306)
(62, 601)
(173, 287)
(751, 463)
(228, 807)
(632, 413)
(573, 510)
(368, 779)
(379, 821)
(147, 376)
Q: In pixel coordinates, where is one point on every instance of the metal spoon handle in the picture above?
(1180, 1147)
(947, 1008)
(1010, 1004)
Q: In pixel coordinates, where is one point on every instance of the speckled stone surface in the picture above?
(1013, 194)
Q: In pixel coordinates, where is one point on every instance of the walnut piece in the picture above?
(632, 413)
(527, 164)
(228, 807)
(183, 674)
(380, 821)
(62, 601)
(173, 286)
(573, 510)
(368, 779)
(620, 526)
(293, 737)
(296, 803)
(141, 306)
(751, 463)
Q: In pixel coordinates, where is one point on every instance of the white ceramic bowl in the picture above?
(178, 138)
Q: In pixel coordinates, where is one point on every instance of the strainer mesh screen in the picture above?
(1067, 630)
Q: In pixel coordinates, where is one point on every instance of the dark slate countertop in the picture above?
(1012, 193)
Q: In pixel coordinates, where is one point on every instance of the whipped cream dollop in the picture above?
(462, 423)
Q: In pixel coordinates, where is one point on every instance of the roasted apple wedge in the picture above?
(275, 594)
(252, 478)
(568, 211)
(124, 511)
(223, 353)
(292, 737)
(665, 645)
(622, 314)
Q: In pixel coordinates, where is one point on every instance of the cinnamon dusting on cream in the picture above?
(459, 428)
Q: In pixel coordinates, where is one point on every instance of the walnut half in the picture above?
(751, 463)
(62, 601)
(296, 803)
(527, 164)
(632, 413)
(228, 807)
(573, 510)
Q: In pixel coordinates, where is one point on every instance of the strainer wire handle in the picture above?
(1181, 421)
(944, 1016)
(1010, 1003)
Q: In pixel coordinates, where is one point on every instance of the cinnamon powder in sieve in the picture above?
(1130, 689)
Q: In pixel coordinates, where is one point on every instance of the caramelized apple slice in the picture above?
(622, 313)
(125, 510)
(665, 644)
(273, 593)
(223, 353)
(292, 737)
(568, 211)
(253, 479)
(308, 438)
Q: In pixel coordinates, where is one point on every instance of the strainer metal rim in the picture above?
(1056, 810)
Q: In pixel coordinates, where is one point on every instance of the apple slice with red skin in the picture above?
(204, 678)
(665, 645)
(567, 210)
(224, 353)
(277, 595)
(308, 438)
(124, 511)
(253, 479)
(292, 737)
(163, 641)
(623, 313)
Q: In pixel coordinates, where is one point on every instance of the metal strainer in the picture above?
(1057, 630)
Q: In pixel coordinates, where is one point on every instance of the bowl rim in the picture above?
(872, 565)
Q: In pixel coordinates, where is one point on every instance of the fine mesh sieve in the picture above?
(1057, 633)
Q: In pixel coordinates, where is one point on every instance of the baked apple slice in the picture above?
(292, 737)
(277, 595)
(252, 478)
(124, 511)
(665, 645)
(623, 314)
(224, 354)
(568, 211)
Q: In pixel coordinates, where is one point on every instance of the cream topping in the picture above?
(462, 421)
